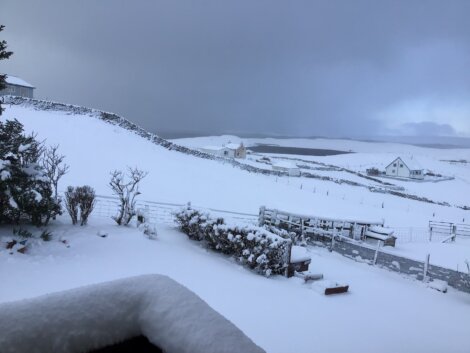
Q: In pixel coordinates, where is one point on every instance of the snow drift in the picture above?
(79, 320)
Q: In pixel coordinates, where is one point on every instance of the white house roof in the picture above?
(13, 80)
(233, 146)
(213, 148)
(285, 164)
(410, 162)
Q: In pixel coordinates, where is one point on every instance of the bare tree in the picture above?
(127, 191)
(54, 167)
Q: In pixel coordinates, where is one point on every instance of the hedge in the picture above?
(254, 246)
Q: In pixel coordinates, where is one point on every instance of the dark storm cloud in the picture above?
(336, 68)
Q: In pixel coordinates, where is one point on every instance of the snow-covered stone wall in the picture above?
(414, 268)
(80, 320)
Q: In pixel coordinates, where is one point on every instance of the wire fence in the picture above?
(163, 212)
(413, 235)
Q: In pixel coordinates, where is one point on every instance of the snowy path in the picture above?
(383, 311)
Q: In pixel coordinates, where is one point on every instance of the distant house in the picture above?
(288, 167)
(404, 168)
(229, 150)
(17, 87)
(220, 151)
(238, 150)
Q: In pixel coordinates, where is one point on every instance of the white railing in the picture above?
(163, 212)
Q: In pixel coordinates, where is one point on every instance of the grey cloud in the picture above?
(427, 128)
(269, 66)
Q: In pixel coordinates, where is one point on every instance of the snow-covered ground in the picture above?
(384, 312)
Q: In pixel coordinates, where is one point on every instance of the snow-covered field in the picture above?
(369, 155)
(384, 312)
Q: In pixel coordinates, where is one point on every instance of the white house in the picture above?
(17, 87)
(229, 150)
(237, 149)
(288, 167)
(405, 168)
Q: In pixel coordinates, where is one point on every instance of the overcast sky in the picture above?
(307, 68)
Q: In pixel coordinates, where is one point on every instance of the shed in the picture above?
(288, 167)
(16, 86)
(404, 168)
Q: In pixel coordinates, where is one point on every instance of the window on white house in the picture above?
(394, 164)
(401, 165)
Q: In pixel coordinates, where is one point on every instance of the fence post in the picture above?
(377, 251)
(289, 254)
(430, 232)
(274, 217)
(332, 242)
(302, 235)
(262, 214)
(426, 266)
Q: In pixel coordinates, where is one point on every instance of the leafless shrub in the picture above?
(127, 191)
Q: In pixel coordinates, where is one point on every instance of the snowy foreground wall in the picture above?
(79, 320)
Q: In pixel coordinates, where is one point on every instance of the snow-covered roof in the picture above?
(285, 164)
(299, 253)
(13, 80)
(233, 146)
(410, 162)
(213, 148)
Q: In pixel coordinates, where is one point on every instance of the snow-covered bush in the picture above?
(127, 191)
(253, 246)
(25, 191)
(149, 230)
(86, 202)
(71, 204)
(80, 200)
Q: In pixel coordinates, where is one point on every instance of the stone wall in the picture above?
(413, 268)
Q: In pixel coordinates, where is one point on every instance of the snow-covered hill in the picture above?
(94, 147)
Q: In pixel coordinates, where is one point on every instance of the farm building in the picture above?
(17, 87)
(220, 151)
(238, 149)
(404, 168)
(284, 166)
(230, 150)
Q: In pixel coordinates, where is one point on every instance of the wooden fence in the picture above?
(448, 229)
(307, 226)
